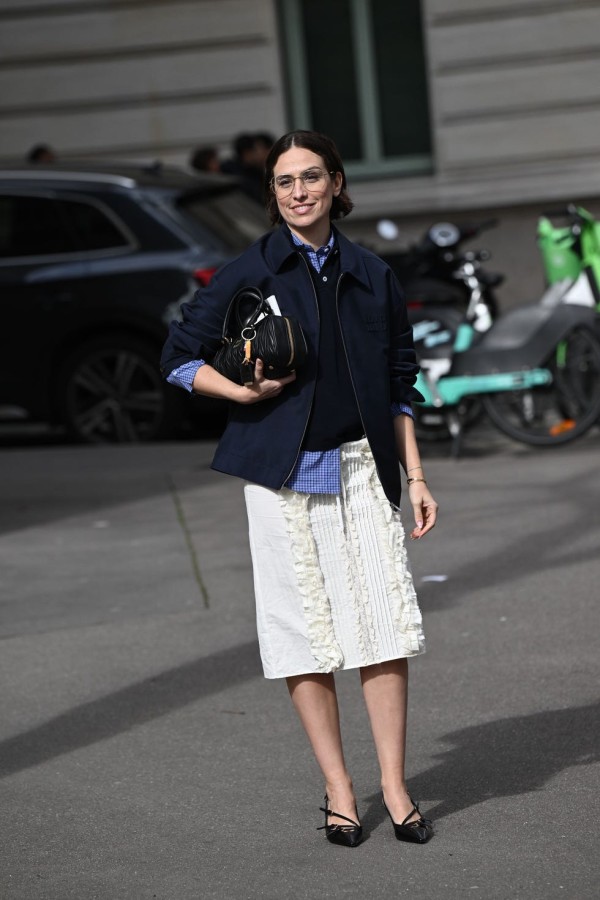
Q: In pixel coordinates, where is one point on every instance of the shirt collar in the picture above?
(320, 251)
(280, 248)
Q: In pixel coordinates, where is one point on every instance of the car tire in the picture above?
(111, 391)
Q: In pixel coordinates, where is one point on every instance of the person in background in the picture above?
(263, 140)
(41, 153)
(248, 162)
(205, 159)
(320, 451)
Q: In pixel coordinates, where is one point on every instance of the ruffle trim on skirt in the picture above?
(311, 584)
(370, 546)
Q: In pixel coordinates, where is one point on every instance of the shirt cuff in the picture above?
(402, 409)
(184, 375)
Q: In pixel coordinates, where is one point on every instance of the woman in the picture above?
(319, 450)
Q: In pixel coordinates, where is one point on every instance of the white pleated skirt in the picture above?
(331, 575)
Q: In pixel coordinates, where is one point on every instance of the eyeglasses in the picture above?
(312, 180)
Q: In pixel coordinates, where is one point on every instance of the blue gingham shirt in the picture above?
(315, 472)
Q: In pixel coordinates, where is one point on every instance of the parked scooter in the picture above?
(571, 257)
(536, 370)
(430, 270)
(435, 329)
(443, 283)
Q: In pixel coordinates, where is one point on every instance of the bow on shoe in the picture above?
(417, 832)
(347, 835)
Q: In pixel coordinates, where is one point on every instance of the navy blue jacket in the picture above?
(261, 441)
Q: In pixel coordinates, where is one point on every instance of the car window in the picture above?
(42, 226)
(93, 227)
(224, 218)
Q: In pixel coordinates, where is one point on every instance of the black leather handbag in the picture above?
(251, 331)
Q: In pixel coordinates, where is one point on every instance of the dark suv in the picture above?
(95, 261)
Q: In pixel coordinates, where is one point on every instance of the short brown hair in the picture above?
(324, 147)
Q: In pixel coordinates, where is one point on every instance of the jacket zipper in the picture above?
(350, 369)
(291, 341)
(314, 386)
(337, 309)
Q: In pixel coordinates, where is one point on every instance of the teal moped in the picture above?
(536, 371)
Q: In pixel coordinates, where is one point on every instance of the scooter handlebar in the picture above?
(449, 236)
(469, 230)
(568, 212)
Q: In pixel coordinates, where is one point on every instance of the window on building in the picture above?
(356, 71)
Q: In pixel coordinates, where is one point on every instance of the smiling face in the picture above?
(306, 211)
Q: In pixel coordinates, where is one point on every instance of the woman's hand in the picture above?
(262, 388)
(425, 509)
(210, 383)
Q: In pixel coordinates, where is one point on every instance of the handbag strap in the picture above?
(245, 308)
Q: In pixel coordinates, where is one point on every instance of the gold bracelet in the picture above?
(410, 481)
(412, 469)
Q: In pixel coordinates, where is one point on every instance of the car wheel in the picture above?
(112, 391)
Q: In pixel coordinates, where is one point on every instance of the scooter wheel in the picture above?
(554, 414)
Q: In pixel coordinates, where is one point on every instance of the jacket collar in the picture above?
(280, 248)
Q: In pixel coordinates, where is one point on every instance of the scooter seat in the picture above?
(522, 339)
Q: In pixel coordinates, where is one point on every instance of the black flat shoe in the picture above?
(346, 835)
(418, 832)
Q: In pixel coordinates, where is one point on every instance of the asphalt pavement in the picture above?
(143, 755)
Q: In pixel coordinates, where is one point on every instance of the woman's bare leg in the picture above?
(315, 700)
(385, 688)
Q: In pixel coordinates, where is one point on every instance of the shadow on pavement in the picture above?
(129, 707)
(496, 759)
(56, 483)
(512, 558)
(502, 759)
